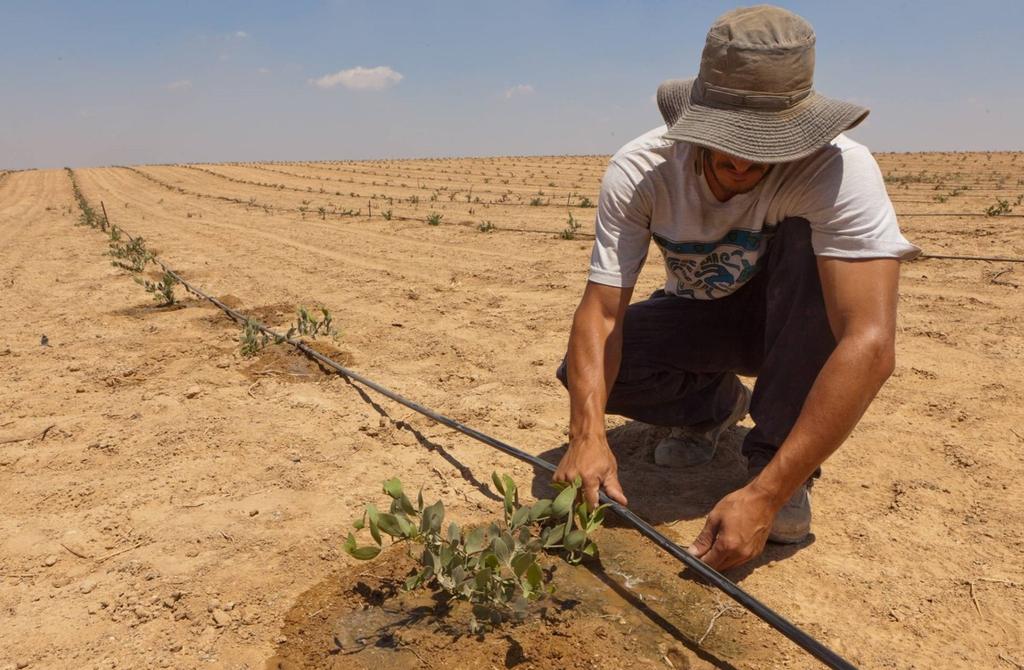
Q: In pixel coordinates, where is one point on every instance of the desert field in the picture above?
(170, 503)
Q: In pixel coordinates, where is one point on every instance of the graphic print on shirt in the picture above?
(708, 270)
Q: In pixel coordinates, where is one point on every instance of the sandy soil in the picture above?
(169, 503)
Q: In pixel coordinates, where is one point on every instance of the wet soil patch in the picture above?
(284, 362)
(631, 608)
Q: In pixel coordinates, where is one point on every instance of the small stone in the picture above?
(175, 647)
(94, 608)
(180, 614)
(87, 586)
(22, 663)
(221, 618)
(527, 422)
(228, 607)
(282, 639)
(253, 512)
(294, 457)
(213, 605)
(61, 582)
(50, 561)
(193, 391)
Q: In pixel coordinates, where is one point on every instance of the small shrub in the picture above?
(434, 219)
(162, 291)
(572, 227)
(1001, 207)
(132, 256)
(536, 202)
(387, 214)
(485, 227)
(585, 202)
(308, 325)
(495, 568)
(252, 338)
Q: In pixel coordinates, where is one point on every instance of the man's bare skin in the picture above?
(860, 300)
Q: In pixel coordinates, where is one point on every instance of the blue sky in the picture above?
(104, 83)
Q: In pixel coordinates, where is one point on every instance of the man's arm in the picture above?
(595, 351)
(860, 299)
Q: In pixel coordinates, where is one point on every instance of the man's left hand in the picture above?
(736, 529)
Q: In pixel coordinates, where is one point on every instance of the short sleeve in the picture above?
(622, 230)
(849, 210)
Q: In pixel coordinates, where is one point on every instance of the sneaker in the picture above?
(687, 447)
(792, 524)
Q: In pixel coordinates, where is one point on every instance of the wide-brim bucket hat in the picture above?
(754, 97)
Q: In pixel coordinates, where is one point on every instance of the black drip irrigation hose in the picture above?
(809, 644)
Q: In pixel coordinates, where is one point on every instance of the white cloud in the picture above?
(519, 89)
(263, 70)
(180, 85)
(240, 34)
(360, 78)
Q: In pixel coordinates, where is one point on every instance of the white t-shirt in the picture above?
(711, 248)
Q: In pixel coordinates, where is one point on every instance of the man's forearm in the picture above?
(842, 392)
(595, 352)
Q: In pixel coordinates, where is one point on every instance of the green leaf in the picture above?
(521, 563)
(393, 487)
(521, 516)
(475, 541)
(406, 505)
(359, 553)
(534, 577)
(563, 502)
(453, 532)
(447, 555)
(575, 539)
(432, 518)
(590, 549)
(419, 501)
(553, 536)
(510, 499)
(407, 528)
(373, 515)
(501, 550)
(388, 523)
(540, 509)
(497, 483)
(510, 485)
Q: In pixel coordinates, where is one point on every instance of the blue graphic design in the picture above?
(744, 239)
(706, 270)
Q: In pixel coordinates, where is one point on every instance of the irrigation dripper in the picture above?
(802, 639)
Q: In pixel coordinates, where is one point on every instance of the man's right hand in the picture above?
(593, 461)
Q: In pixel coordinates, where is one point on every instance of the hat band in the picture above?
(751, 99)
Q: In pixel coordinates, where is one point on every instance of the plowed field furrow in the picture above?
(351, 283)
(541, 220)
(379, 196)
(481, 184)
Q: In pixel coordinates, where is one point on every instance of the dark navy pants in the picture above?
(680, 356)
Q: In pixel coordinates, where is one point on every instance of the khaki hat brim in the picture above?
(761, 136)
